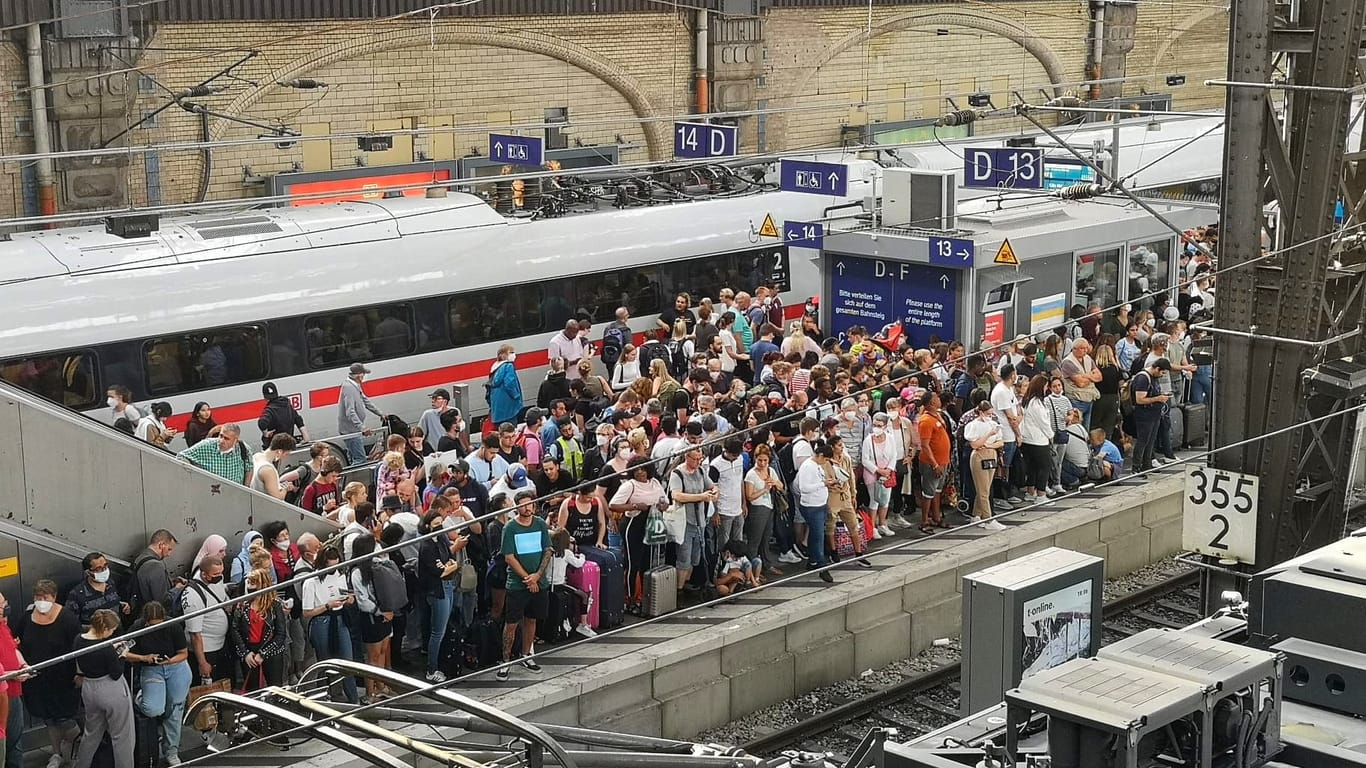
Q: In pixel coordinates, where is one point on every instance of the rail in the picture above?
(857, 708)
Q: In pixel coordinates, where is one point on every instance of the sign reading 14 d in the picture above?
(700, 140)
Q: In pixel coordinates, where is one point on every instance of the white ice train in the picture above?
(423, 291)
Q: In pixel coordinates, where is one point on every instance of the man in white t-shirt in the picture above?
(728, 472)
(1007, 407)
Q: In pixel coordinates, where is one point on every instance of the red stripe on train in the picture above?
(249, 412)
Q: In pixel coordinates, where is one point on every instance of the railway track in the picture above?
(928, 701)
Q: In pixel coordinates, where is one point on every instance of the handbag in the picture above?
(989, 464)
(655, 532)
(467, 578)
(676, 522)
(1095, 467)
(844, 541)
(890, 480)
(260, 673)
(206, 719)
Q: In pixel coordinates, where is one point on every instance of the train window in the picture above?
(67, 378)
(204, 359)
(359, 335)
(495, 314)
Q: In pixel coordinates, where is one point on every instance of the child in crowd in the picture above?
(736, 572)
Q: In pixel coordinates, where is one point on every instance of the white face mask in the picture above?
(602, 439)
(42, 606)
(112, 402)
(1152, 321)
(879, 431)
(863, 410)
(624, 453)
(101, 577)
(512, 357)
(282, 545)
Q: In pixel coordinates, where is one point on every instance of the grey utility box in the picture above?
(1026, 616)
(919, 198)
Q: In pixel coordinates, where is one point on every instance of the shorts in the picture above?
(930, 484)
(690, 551)
(374, 629)
(525, 604)
(879, 495)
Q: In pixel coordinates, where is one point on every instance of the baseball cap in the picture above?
(441, 393)
(269, 391)
(358, 368)
(776, 397)
(517, 474)
(461, 466)
(1162, 364)
(533, 415)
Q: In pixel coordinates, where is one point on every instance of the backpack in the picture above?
(135, 598)
(651, 352)
(613, 342)
(678, 359)
(786, 466)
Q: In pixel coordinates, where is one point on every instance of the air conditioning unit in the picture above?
(1159, 698)
(81, 19)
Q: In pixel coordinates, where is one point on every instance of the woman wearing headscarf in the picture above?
(213, 545)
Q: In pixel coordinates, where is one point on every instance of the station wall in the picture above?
(610, 70)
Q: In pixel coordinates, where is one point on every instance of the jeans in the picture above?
(730, 529)
(758, 530)
(161, 696)
(1201, 384)
(1073, 474)
(331, 639)
(355, 450)
(1085, 408)
(438, 616)
(14, 755)
(815, 518)
(1145, 440)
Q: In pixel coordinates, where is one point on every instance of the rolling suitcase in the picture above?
(588, 580)
(146, 741)
(1196, 417)
(660, 586)
(559, 611)
(1178, 421)
(610, 599)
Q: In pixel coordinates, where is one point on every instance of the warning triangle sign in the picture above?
(769, 229)
(1006, 255)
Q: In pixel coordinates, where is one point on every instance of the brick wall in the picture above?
(13, 106)
(609, 70)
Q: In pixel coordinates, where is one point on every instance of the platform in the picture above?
(703, 667)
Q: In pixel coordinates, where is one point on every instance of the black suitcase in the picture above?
(611, 599)
(451, 658)
(147, 741)
(559, 609)
(1178, 421)
(488, 642)
(1196, 417)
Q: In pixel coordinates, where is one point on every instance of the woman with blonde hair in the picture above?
(662, 383)
(104, 692)
(1105, 413)
(258, 631)
(594, 386)
(797, 342)
(353, 494)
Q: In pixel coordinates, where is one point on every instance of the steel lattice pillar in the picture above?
(1311, 292)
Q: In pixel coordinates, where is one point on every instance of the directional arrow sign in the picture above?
(804, 234)
(839, 267)
(952, 252)
(516, 150)
(814, 178)
(944, 281)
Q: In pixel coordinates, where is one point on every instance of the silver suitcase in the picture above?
(660, 585)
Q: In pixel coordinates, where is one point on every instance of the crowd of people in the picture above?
(728, 445)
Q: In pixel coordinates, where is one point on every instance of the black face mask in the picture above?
(215, 580)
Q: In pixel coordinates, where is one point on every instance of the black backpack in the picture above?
(132, 592)
(678, 359)
(786, 465)
(613, 342)
(651, 352)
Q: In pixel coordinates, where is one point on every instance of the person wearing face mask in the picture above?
(880, 455)
(96, 591)
(47, 632)
(504, 388)
(324, 599)
(983, 434)
(208, 633)
(854, 427)
(284, 560)
(120, 404)
(164, 677)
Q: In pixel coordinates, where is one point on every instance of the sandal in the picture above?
(927, 529)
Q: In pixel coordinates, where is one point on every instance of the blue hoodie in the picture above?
(505, 393)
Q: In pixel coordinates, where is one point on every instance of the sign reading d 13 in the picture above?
(873, 293)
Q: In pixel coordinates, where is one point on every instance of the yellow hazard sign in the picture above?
(769, 229)
(9, 566)
(1006, 255)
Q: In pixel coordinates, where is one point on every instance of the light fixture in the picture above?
(131, 227)
(1175, 80)
(1154, 125)
(979, 100)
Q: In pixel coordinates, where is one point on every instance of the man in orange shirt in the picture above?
(935, 455)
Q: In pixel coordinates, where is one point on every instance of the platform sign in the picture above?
(813, 178)
(699, 140)
(956, 252)
(994, 328)
(1047, 312)
(874, 292)
(1220, 514)
(517, 150)
(803, 234)
(1003, 168)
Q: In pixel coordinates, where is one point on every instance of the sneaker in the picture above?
(827, 578)
(503, 673)
(992, 525)
(886, 530)
(898, 521)
(877, 533)
(585, 630)
(531, 664)
(1016, 499)
(435, 676)
(56, 760)
(1051, 492)
(172, 761)
(1059, 488)
(1001, 505)
(789, 557)
(863, 562)
(1158, 461)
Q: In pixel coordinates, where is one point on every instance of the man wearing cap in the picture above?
(1158, 347)
(278, 416)
(431, 418)
(1150, 402)
(528, 436)
(351, 410)
(514, 480)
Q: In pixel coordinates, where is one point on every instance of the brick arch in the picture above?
(983, 22)
(656, 133)
(1187, 24)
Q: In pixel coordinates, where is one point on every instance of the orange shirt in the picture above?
(934, 440)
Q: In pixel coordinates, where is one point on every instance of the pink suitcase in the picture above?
(588, 580)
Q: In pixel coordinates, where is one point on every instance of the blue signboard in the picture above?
(955, 252)
(813, 178)
(873, 293)
(1003, 167)
(694, 140)
(517, 150)
(803, 234)
(1064, 172)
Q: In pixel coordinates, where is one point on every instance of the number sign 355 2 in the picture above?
(1220, 514)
